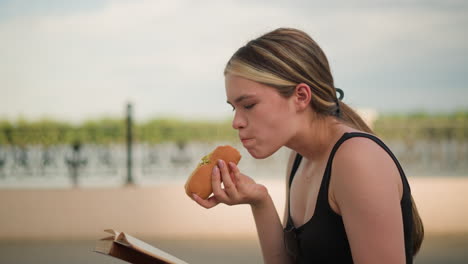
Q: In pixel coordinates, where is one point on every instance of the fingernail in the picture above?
(194, 196)
(215, 169)
(220, 164)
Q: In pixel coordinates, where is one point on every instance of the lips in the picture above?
(246, 140)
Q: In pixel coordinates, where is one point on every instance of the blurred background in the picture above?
(107, 106)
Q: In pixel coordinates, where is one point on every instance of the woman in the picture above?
(348, 200)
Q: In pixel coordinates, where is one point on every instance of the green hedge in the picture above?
(423, 126)
(106, 131)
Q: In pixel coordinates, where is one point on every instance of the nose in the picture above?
(239, 121)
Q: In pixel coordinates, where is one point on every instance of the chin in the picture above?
(260, 154)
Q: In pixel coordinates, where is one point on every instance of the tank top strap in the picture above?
(295, 166)
(322, 199)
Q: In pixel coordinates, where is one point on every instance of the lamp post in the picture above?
(129, 139)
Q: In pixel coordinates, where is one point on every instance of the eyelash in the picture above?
(250, 106)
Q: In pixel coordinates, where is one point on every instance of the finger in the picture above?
(235, 171)
(233, 178)
(218, 192)
(229, 186)
(208, 203)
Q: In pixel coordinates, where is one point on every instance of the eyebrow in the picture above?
(241, 98)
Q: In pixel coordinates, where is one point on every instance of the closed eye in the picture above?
(250, 106)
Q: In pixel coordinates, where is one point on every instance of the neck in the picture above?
(316, 136)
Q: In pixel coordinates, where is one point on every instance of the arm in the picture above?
(367, 190)
(241, 189)
(270, 232)
(266, 214)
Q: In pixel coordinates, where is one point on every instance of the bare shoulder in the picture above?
(361, 166)
(366, 189)
(362, 154)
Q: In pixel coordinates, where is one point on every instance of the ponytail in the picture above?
(351, 118)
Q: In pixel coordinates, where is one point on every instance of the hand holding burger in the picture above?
(217, 170)
(199, 182)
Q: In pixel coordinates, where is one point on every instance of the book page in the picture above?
(114, 234)
(128, 240)
(104, 245)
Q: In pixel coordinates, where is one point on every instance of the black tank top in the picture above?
(323, 238)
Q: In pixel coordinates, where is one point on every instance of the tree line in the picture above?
(446, 126)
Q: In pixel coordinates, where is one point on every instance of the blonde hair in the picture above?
(285, 57)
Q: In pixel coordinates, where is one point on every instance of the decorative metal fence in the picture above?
(107, 164)
(436, 147)
(155, 163)
(425, 150)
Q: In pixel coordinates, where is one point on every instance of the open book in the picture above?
(125, 247)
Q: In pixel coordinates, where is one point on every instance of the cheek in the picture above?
(277, 124)
(273, 132)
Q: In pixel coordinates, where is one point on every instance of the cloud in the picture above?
(168, 56)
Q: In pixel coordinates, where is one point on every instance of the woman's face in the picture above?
(263, 118)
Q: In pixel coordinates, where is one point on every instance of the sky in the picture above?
(79, 60)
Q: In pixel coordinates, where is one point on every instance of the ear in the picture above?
(302, 96)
